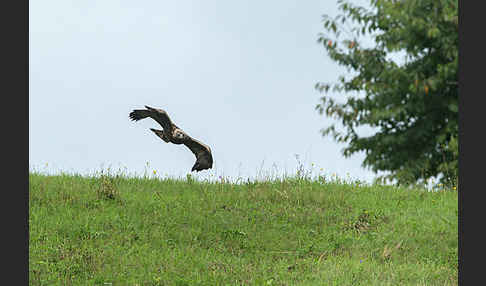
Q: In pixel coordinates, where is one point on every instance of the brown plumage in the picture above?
(171, 133)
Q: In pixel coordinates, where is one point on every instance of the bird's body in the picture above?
(171, 133)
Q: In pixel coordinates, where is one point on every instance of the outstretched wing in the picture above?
(158, 115)
(204, 158)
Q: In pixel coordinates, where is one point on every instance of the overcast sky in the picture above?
(236, 75)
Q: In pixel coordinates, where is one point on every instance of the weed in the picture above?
(107, 189)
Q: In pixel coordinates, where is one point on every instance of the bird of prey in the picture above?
(171, 133)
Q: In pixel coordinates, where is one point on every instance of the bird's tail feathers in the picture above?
(160, 133)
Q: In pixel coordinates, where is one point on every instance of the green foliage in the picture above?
(294, 231)
(449, 166)
(412, 103)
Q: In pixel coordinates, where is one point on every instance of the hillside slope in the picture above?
(131, 231)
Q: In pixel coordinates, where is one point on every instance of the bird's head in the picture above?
(179, 135)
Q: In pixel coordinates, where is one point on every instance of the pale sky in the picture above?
(236, 75)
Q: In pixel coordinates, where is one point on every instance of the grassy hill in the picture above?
(114, 230)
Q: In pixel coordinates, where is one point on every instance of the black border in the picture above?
(15, 134)
(471, 112)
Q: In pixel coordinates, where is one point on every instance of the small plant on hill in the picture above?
(107, 189)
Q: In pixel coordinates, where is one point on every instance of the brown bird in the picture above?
(171, 133)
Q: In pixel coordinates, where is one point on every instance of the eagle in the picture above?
(171, 133)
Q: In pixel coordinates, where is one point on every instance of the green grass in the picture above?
(114, 230)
